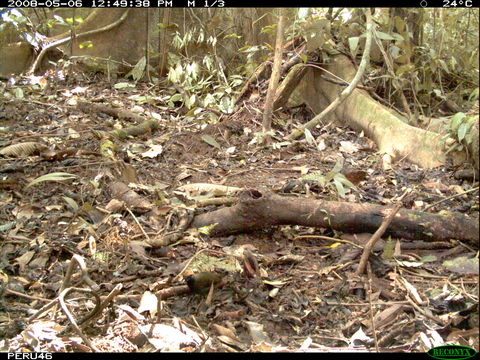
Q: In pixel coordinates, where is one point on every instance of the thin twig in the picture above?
(77, 259)
(326, 238)
(42, 310)
(61, 300)
(375, 237)
(138, 223)
(374, 330)
(13, 292)
(108, 299)
(450, 197)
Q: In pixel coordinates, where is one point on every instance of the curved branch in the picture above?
(68, 314)
(347, 91)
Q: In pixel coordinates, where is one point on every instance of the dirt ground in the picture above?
(304, 296)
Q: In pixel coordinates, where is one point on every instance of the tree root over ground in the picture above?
(258, 209)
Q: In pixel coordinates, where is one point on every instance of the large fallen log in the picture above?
(256, 210)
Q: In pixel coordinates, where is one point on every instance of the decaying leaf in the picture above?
(22, 149)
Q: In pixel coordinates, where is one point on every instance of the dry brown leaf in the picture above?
(23, 149)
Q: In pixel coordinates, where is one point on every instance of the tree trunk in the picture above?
(359, 111)
(272, 86)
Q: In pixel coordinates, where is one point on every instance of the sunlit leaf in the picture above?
(340, 188)
(456, 120)
(57, 176)
(123, 85)
(353, 44)
(86, 44)
(72, 203)
(462, 130)
(206, 229)
(210, 141)
(384, 36)
(309, 137)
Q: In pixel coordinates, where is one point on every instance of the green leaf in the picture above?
(340, 188)
(70, 202)
(123, 85)
(142, 99)
(384, 36)
(388, 249)
(428, 258)
(86, 44)
(190, 101)
(462, 130)
(340, 177)
(463, 265)
(397, 37)
(211, 141)
(444, 66)
(232, 35)
(474, 95)
(405, 69)
(439, 94)
(209, 99)
(57, 176)
(468, 139)
(268, 28)
(7, 226)
(337, 168)
(353, 43)
(18, 92)
(206, 229)
(315, 176)
(176, 97)
(456, 120)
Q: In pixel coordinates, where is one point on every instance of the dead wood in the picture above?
(122, 192)
(122, 114)
(294, 60)
(288, 85)
(261, 72)
(373, 240)
(257, 210)
(143, 126)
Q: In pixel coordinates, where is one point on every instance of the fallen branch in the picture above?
(288, 85)
(257, 210)
(375, 237)
(122, 114)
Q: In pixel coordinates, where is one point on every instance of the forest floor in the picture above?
(305, 296)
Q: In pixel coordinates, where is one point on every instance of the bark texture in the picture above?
(257, 209)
